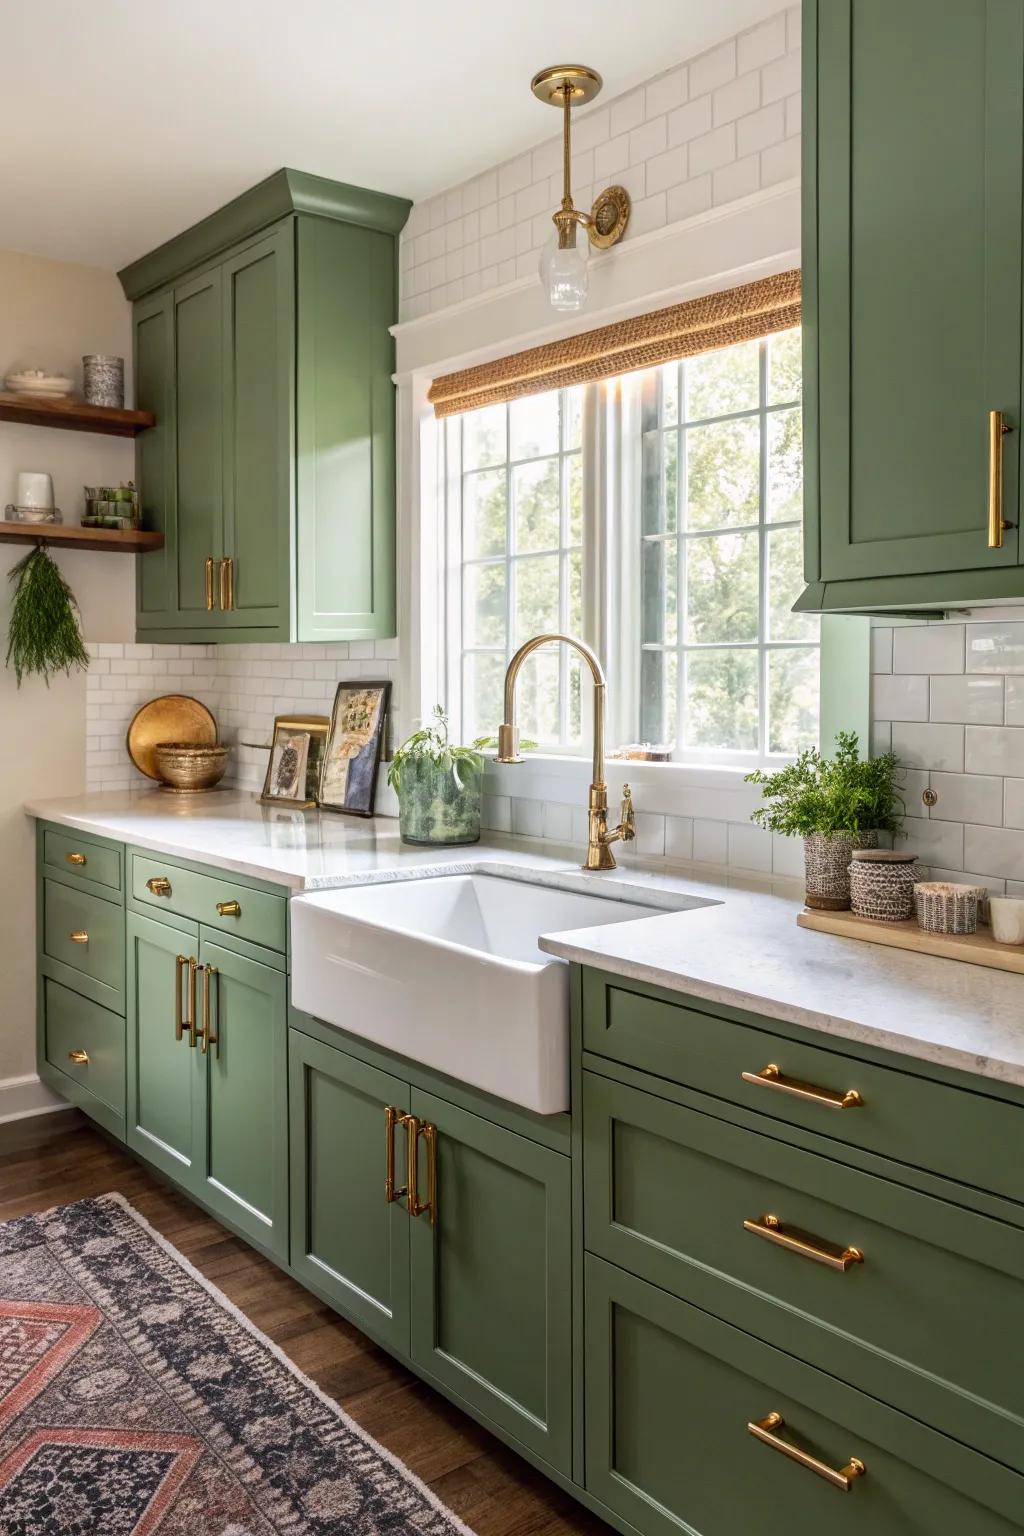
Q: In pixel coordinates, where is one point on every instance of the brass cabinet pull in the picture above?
(228, 909)
(79, 936)
(767, 1431)
(159, 885)
(206, 1035)
(80, 1058)
(771, 1077)
(771, 1228)
(76, 858)
(208, 580)
(227, 584)
(392, 1117)
(193, 967)
(180, 962)
(997, 524)
(414, 1129)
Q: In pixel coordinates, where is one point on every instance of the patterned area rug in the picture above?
(134, 1398)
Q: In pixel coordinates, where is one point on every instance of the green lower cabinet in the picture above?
(347, 1240)
(491, 1276)
(163, 1076)
(242, 1157)
(672, 1394)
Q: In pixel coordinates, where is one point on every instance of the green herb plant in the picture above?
(432, 743)
(846, 794)
(44, 636)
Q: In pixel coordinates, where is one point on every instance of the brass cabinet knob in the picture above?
(79, 936)
(228, 909)
(76, 858)
(80, 1058)
(159, 886)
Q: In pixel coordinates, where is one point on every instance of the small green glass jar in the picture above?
(439, 805)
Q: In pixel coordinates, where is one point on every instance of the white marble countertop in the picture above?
(743, 949)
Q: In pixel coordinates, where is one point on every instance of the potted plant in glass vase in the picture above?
(438, 786)
(835, 805)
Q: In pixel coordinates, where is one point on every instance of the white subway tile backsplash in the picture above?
(972, 700)
(761, 44)
(665, 92)
(1014, 700)
(967, 797)
(688, 121)
(995, 647)
(713, 149)
(750, 847)
(881, 649)
(998, 850)
(930, 746)
(1013, 804)
(679, 837)
(934, 842)
(928, 648)
(899, 697)
(712, 69)
(710, 842)
(995, 749)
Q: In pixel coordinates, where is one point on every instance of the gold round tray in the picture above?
(172, 717)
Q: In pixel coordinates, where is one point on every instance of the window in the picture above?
(657, 516)
(516, 546)
(726, 666)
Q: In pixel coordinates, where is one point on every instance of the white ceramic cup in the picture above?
(35, 490)
(1007, 916)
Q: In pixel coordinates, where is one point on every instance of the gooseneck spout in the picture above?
(599, 854)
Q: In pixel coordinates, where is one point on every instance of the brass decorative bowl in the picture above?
(187, 768)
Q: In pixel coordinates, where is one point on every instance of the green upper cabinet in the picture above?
(912, 298)
(262, 345)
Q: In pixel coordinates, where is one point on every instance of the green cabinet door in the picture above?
(258, 297)
(491, 1275)
(163, 1074)
(912, 303)
(348, 1241)
(199, 445)
(242, 1130)
(346, 432)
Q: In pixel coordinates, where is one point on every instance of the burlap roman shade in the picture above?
(682, 330)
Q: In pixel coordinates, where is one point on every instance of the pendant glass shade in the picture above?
(563, 273)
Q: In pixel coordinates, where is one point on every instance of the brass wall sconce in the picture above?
(563, 266)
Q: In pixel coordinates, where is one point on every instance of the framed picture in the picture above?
(348, 776)
(296, 757)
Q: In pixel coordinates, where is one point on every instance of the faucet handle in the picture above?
(627, 824)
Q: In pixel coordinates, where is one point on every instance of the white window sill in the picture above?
(672, 789)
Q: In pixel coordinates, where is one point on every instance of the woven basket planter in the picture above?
(827, 868)
(882, 884)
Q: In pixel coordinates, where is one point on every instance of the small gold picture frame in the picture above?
(296, 755)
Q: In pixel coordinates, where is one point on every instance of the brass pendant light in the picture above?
(563, 267)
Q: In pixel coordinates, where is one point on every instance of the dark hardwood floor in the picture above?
(55, 1159)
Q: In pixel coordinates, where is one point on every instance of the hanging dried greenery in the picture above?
(44, 635)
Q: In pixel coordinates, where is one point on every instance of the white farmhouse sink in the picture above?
(446, 970)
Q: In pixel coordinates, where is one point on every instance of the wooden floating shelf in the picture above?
(74, 416)
(976, 948)
(124, 541)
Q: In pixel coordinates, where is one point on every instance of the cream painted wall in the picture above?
(51, 312)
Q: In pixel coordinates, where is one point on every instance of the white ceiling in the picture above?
(127, 120)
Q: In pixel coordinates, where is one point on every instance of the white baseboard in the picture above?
(21, 1097)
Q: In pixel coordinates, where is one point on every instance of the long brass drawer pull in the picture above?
(180, 1021)
(392, 1117)
(208, 581)
(79, 936)
(80, 1058)
(767, 1430)
(414, 1129)
(206, 1035)
(771, 1077)
(227, 584)
(771, 1228)
(76, 858)
(159, 885)
(193, 969)
(228, 909)
(997, 524)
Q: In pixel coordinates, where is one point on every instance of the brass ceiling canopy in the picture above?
(563, 267)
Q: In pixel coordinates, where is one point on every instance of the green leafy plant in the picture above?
(44, 634)
(431, 743)
(845, 794)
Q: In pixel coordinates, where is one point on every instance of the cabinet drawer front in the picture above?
(261, 918)
(75, 1027)
(86, 934)
(947, 1131)
(668, 1190)
(67, 854)
(670, 1393)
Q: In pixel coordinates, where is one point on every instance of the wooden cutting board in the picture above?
(976, 948)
